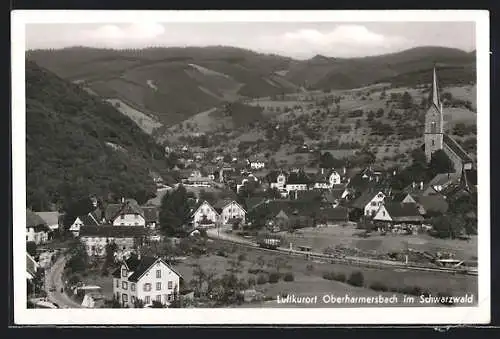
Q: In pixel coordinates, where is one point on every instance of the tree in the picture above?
(406, 100)
(174, 211)
(440, 163)
(31, 248)
(370, 116)
(327, 160)
(358, 123)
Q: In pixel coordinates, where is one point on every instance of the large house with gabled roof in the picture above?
(230, 212)
(145, 280)
(37, 229)
(127, 213)
(204, 215)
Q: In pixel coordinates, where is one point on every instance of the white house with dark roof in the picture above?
(83, 220)
(127, 213)
(205, 216)
(369, 202)
(230, 211)
(147, 279)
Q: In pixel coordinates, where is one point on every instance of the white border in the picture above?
(417, 315)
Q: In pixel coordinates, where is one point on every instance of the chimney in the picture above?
(413, 184)
(344, 170)
(123, 200)
(421, 185)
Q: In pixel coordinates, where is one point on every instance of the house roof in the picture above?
(110, 231)
(365, 198)
(88, 220)
(433, 203)
(50, 218)
(457, 149)
(400, 196)
(311, 195)
(151, 213)
(141, 266)
(200, 203)
(33, 219)
(403, 212)
(220, 204)
(130, 206)
(441, 179)
(298, 178)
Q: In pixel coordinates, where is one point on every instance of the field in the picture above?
(308, 278)
(145, 122)
(321, 238)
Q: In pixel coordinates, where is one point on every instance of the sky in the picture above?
(299, 40)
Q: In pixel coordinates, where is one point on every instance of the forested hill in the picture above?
(78, 145)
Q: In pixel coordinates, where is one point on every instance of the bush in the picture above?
(221, 253)
(274, 277)
(262, 279)
(340, 277)
(378, 286)
(356, 279)
(251, 281)
(289, 277)
(329, 275)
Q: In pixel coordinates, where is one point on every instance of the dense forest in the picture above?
(78, 145)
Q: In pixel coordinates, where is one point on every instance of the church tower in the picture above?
(433, 130)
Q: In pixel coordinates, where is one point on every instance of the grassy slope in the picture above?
(66, 134)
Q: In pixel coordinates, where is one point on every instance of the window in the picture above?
(373, 203)
(158, 273)
(147, 287)
(169, 297)
(158, 286)
(124, 285)
(170, 283)
(124, 272)
(117, 282)
(433, 127)
(132, 299)
(122, 216)
(383, 213)
(147, 300)
(125, 297)
(132, 287)
(122, 224)
(118, 295)
(433, 142)
(136, 224)
(158, 298)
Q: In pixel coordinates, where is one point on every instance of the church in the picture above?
(434, 137)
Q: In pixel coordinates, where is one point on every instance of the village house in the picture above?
(230, 212)
(297, 181)
(144, 280)
(277, 179)
(249, 179)
(127, 213)
(205, 216)
(37, 229)
(95, 238)
(369, 202)
(399, 217)
(256, 164)
(51, 219)
(88, 219)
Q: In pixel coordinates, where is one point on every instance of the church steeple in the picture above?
(435, 90)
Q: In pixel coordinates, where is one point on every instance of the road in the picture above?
(54, 278)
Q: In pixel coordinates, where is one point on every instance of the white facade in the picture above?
(334, 178)
(280, 182)
(296, 187)
(257, 165)
(232, 210)
(75, 227)
(321, 185)
(382, 214)
(373, 205)
(158, 283)
(37, 237)
(207, 210)
(129, 220)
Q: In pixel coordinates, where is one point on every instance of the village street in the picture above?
(54, 279)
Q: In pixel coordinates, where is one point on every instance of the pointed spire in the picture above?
(435, 90)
